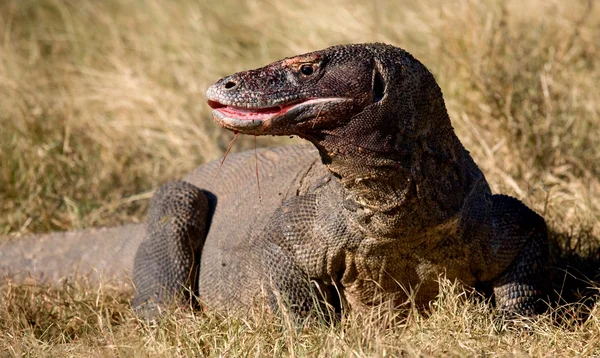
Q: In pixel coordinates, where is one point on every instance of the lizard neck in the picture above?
(405, 193)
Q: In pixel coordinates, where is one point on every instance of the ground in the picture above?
(102, 102)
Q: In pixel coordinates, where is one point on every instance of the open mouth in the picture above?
(236, 118)
(254, 114)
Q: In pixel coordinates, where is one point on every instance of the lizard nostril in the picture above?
(230, 84)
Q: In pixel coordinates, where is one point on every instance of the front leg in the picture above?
(292, 260)
(524, 285)
(166, 263)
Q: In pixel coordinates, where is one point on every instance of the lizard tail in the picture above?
(94, 254)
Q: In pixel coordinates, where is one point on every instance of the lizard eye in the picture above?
(307, 70)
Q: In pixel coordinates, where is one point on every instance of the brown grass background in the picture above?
(101, 102)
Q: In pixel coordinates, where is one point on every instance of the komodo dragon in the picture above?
(384, 201)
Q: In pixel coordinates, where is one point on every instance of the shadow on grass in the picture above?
(575, 270)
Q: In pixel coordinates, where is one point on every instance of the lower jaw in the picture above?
(236, 124)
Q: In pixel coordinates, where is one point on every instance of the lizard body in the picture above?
(384, 201)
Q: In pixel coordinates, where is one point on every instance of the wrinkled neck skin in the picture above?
(405, 193)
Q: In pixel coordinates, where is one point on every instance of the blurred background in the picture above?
(101, 102)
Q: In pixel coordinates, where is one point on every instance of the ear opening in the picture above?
(378, 85)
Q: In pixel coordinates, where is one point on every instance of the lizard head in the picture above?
(369, 97)
(378, 119)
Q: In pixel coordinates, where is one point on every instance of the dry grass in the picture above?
(74, 321)
(101, 102)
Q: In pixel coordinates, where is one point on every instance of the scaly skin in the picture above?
(383, 202)
(392, 201)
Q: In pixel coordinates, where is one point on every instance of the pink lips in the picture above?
(245, 117)
(248, 114)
